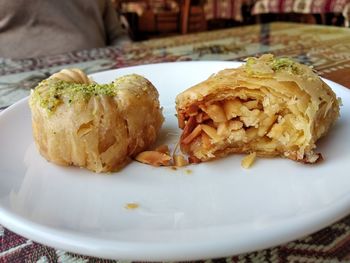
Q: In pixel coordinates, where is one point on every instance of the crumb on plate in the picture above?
(248, 160)
(188, 171)
(131, 206)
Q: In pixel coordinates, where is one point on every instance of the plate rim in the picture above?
(58, 238)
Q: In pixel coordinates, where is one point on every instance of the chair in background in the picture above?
(192, 16)
(196, 20)
(167, 22)
(150, 18)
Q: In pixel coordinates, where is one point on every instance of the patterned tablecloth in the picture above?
(326, 48)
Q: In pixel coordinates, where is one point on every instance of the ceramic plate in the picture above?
(201, 211)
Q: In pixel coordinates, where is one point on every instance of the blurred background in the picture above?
(144, 19)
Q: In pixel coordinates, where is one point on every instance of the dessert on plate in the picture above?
(269, 106)
(78, 122)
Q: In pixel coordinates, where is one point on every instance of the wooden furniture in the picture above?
(167, 22)
(192, 17)
(147, 18)
(150, 18)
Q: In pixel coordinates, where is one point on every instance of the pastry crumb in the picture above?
(188, 171)
(154, 158)
(160, 156)
(179, 160)
(163, 149)
(248, 160)
(131, 206)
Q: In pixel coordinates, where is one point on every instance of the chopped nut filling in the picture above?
(161, 157)
(180, 161)
(154, 158)
(131, 206)
(248, 160)
(256, 125)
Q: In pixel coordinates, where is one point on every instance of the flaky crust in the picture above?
(303, 106)
(102, 131)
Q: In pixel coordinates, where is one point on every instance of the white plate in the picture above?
(219, 209)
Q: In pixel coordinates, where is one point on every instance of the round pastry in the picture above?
(98, 126)
(271, 106)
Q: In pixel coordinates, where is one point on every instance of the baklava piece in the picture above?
(268, 106)
(98, 126)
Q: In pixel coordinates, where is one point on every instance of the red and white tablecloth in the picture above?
(303, 7)
(299, 6)
(224, 9)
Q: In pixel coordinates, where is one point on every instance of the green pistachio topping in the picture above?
(268, 64)
(285, 64)
(52, 92)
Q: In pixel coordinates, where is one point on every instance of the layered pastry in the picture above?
(269, 106)
(98, 126)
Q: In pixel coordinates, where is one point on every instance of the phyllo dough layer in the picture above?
(78, 122)
(271, 106)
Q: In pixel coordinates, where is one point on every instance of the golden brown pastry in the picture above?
(78, 122)
(271, 106)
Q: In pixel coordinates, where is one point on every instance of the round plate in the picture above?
(200, 211)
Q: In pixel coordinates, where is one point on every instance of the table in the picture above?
(327, 48)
